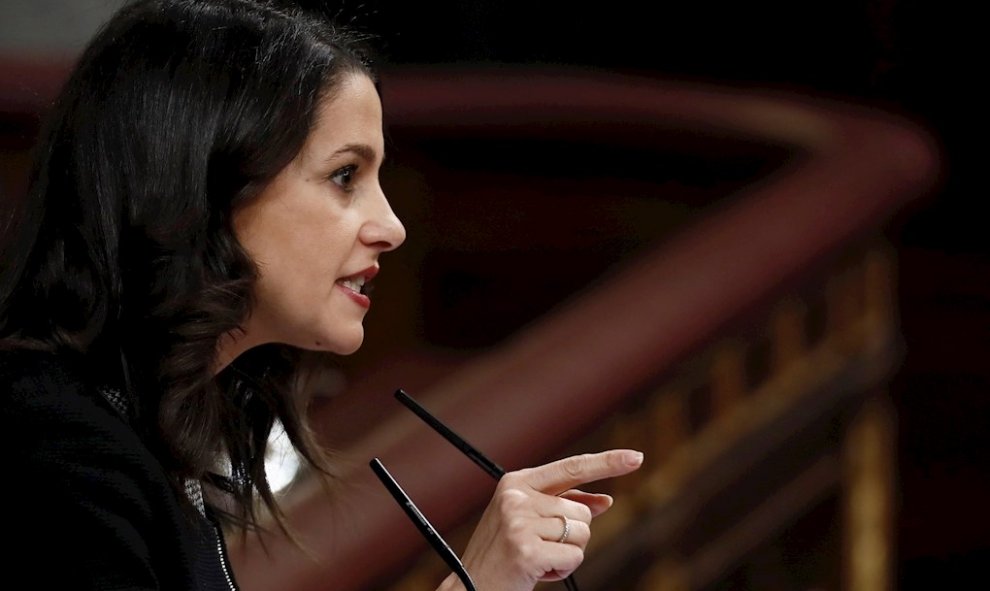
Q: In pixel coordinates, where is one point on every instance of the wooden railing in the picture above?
(746, 354)
(757, 428)
(656, 343)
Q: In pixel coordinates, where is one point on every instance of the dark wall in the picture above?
(910, 56)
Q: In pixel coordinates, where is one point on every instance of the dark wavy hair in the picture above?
(123, 251)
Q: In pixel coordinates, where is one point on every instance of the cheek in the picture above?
(315, 254)
(302, 244)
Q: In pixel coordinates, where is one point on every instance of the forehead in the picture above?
(352, 114)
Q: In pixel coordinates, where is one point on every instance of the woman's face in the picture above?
(317, 230)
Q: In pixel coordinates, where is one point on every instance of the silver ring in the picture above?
(567, 530)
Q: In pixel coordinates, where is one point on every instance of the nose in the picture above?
(383, 230)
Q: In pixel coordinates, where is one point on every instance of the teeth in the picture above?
(353, 284)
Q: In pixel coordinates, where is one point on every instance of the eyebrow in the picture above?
(363, 150)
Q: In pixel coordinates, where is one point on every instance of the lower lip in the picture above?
(358, 298)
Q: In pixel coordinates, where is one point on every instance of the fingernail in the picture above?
(634, 458)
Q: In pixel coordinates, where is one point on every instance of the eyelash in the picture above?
(344, 177)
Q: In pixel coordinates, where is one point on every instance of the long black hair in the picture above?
(176, 113)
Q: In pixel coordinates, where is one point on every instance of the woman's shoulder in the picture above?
(59, 433)
(55, 418)
(48, 386)
(25, 367)
(82, 482)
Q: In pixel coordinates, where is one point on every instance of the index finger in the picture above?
(562, 475)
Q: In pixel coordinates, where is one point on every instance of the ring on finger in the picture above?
(567, 529)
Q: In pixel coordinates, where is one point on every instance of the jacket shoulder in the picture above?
(83, 484)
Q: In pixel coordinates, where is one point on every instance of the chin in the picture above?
(342, 344)
(348, 349)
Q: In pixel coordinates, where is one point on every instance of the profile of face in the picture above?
(317, 230)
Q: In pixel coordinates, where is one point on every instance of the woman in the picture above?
(204, 204)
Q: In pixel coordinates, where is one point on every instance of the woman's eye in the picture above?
(344, 177)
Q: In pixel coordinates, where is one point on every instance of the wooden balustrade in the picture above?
(656, 345)
(743, 424)
(734, 353)
(795, 395)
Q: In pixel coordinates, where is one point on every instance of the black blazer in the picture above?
(86, 505)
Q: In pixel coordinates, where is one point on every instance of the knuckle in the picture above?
(524, 554)
(574, 465)
(511, 480)
(534, 569)
(584, 513)
(515, 528)
(574, 558)
(510, 500)
(576, 511)
(584, 535)
(616, 460)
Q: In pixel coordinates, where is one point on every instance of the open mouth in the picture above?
(357, 284)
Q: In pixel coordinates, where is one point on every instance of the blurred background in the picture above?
(509, 220)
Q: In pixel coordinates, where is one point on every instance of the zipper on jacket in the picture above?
(223, 559)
